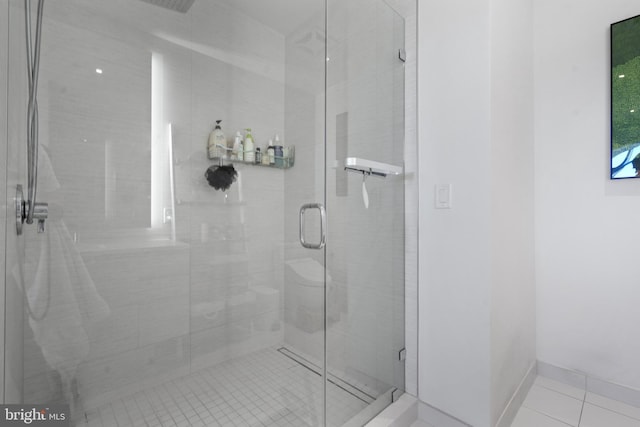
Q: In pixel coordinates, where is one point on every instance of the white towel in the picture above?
(62, 281)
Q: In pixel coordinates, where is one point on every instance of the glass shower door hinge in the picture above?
(402, 355)
(402, 55)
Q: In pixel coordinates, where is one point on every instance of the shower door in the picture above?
(353, 332)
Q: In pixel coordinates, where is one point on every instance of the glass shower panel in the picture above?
(365, 251)
(106, 310)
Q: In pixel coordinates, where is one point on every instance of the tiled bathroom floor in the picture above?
(265, 388)
(553, 404)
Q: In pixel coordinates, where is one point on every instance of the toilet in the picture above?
(304, 293)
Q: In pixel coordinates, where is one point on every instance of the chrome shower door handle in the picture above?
(323, 226)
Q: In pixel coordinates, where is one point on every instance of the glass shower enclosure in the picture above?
(155, 297)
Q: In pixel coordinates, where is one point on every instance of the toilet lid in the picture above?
(309, 269)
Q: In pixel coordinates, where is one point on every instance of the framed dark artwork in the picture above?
(625, 98)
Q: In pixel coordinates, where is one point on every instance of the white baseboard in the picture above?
(562, 375)
(510, 412)
(608, 389)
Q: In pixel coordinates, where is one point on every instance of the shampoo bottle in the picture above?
(249, 147)
(217, 142)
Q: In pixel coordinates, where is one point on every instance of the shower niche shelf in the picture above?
(285, 163)
(281, 162)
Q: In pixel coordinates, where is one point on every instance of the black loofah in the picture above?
(221, 177)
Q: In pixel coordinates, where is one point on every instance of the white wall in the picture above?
(477, 317)
(512, 188)
(454, 129)
(587, 287)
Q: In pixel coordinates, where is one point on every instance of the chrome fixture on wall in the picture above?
(27, 210)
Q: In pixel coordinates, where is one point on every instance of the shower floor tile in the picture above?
(265, 388)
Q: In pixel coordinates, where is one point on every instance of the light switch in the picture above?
(443, 196)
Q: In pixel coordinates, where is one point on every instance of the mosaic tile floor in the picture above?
(265, 388)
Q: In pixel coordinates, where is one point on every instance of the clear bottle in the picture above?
(279, 152)
(217, 143)
(258, 156)
(272, 153)
(249, 147)
(238, 148)
(265, 156)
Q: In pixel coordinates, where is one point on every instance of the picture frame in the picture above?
(625, 98)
